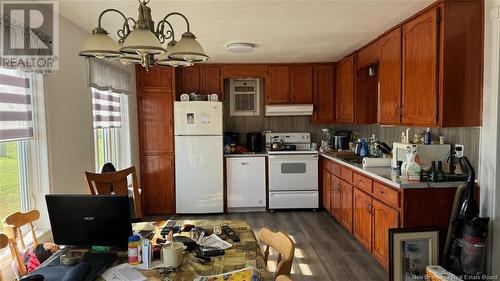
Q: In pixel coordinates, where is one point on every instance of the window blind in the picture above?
(16, 110)
(106, 109)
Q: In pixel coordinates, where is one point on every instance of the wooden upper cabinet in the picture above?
(301, 84)
(156, 122)
(420, 70)
(390, 78)
(384, 218)
(369, 55)
(362, 225)
(191, 79)
(210, 80)
(345, 90)
(278, 85)
(324, 94)
(156, 77)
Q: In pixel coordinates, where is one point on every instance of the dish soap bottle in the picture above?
(413, 168)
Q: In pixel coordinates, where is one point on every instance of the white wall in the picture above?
(68, 111)
(489, 174)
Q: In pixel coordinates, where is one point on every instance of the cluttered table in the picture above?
(245, 254)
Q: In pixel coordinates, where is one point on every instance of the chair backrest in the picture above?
(115, 183)
(4, 242)
(12, 225)
(283, 277)
(283, 244)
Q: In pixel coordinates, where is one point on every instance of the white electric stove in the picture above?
(292, 172)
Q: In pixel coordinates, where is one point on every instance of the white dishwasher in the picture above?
(246, 183)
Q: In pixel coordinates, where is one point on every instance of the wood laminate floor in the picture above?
(324, 249)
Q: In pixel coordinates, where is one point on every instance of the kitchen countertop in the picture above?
(387, 175)
(247, 154)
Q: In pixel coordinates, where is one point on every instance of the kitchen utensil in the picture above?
(277, 144)
(385, 148)
(172, 254)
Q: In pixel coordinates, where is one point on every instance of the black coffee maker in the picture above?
(254, 142)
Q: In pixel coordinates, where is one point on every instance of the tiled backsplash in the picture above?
(466, 136)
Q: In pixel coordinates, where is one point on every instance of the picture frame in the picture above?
(410, 251)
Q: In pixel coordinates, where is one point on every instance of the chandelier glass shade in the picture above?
(143, 44)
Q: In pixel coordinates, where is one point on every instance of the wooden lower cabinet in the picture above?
(326, 189)
(157, 182)
(346, 190)
(362, 227)
(384, 218)
(335, 198)
(368, 208)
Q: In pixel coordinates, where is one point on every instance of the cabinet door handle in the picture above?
(397, 111)
(369, 208)
(245, 163)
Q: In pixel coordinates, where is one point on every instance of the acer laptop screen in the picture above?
(89, 220)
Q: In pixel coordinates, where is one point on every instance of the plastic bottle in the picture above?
(363, 152)
(413, 168)
(403, 137)
(134, 249)
(428, 136)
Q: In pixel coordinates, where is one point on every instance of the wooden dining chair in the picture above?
(284, 277)
(12, 226)
(283, 244)
(4, 242)
(115, 183)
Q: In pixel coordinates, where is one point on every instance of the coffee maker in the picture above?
(254, 142)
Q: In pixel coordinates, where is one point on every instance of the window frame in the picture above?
(33, 153)
(115, 141)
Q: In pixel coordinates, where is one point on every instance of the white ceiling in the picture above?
(284, 31)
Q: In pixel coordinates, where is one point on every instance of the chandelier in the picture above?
(143, 44)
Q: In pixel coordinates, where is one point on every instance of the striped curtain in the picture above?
(106, 109)
(16, 110)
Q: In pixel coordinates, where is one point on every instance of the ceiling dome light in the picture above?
(143, 42)
(188, 49)
(240, 47)
(100, 45)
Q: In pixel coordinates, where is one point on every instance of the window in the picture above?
(19, 92)
(111, 131)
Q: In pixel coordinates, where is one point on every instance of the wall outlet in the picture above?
(459, 150)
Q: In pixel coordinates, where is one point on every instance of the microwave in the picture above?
(426, 153)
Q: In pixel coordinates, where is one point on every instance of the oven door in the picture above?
(293, 172)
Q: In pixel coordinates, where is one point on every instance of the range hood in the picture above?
(289, 110)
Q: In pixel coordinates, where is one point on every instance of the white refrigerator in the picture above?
(198, 157)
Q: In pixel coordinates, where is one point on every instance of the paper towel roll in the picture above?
(376, 162)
